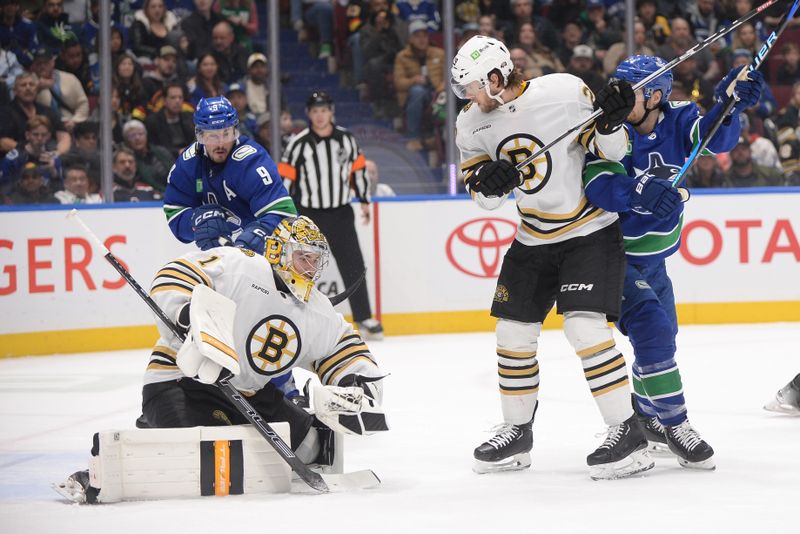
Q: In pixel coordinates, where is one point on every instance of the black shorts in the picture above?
(581, 274)
(187, 403)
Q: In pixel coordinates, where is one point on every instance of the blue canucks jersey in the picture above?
(246, 185)
(661, 153)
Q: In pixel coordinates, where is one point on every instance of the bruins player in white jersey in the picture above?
(281, 321)
(566, 250)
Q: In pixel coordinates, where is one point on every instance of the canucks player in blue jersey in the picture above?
(662, 135)
(224, 188)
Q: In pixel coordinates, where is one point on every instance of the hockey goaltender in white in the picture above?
(255, 317)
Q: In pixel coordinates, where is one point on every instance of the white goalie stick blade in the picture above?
(342, 482)
(516, 462)
(778, 407)
(636, 462)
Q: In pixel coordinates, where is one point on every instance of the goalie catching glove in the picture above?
(353, 407)
(208, 348)
(495, 178)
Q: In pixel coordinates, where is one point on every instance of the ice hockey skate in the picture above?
(371, 329)
(692, 451)
(623, 453)
(508, 450)
(655, 434)
(787, 399)
(76, 488)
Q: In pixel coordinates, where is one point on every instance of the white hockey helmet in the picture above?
(479, 56)
(298, 253)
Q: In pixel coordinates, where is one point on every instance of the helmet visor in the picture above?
(467, 90)
(217, 137)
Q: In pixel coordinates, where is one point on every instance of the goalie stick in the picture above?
(669, 66)
(758, 60)
(318, 482)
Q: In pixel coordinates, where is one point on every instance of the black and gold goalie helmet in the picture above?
(298, 253)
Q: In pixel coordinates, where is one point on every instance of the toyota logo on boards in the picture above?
(476, 247)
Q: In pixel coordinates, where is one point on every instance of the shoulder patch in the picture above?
(679, 103)
(190, 152)
(242, 152)
(466, 108)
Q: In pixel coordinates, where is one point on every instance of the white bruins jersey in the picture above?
(273, 331)
(551, 201)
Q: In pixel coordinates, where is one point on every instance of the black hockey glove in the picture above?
(656, 196)
(616, 99)
(495, 178)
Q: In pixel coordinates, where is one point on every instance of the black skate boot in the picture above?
(76, 488)
(508, 450)
(692, 451)
(623, 453)
(787, 399)
(653, 431)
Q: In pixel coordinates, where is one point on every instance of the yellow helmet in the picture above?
(298, 253)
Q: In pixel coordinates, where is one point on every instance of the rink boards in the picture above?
(432, 265)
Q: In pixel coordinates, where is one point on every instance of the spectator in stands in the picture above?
(767, 104)
(15, 116)
(745, 173)
(544, 60)
(9, 70)
(238, 98)
(700, 90)
(73, 60)
(318, 14)
(571, 36)
(788, 124)
(424, 10)
(264, 132)
(789, 72)
(522, 11)
(256, 83)
(602, 30)
(52, 27)
(380, 42)
(171, 127)
(197, 28)
(85, 152)
(152, 162)
(154, 81)
(702, 16)
(231, 56)
(487, 26)
(745, 37)
(762, 150)
(206, 82)
(680, 41)
(656, 25)
(127, 187)
(419, 75)
(242, 16)
(30, 188)
(376, 187)
(582, 65)
(128, 82)
(706, 173)
(619, 51)
(38, 149)
(17, 34)
(76, 187)
(789, 116)
(59, 90)
(523, 64)
(151, 27)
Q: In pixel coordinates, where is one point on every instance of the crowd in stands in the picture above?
(168, 54)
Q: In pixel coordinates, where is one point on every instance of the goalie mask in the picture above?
(298, 253)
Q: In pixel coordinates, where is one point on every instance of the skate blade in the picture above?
(512, 463)
(659, 450)
(705, 465)
(636, 462)
(775, 406)
(71, 490)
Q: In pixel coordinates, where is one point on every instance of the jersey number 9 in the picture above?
(264, 174)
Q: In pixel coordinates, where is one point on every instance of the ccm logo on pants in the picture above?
(576, 287)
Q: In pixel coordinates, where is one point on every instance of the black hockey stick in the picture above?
(313, 479)
(669, 66)
(339, 297)
(758, 60)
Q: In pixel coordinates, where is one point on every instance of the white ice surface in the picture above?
(441, 398)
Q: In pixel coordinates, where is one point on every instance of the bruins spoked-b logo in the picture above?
(517, 148)
(273, 345)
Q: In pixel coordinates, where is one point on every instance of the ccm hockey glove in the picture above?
(747, 91)
(210, 227)
(656, 196)
(254, 237)
(616, 99)
(495, 178)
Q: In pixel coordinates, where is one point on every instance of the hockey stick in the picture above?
(758, 60)
(669, 66)
(339, 297)
(313, 479)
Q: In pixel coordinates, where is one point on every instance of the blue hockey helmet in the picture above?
(215, 113)
(637, 68)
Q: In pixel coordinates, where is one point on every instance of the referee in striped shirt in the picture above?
(320, 167)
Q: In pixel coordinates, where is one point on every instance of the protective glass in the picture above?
(217, 137)
(467, 90)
